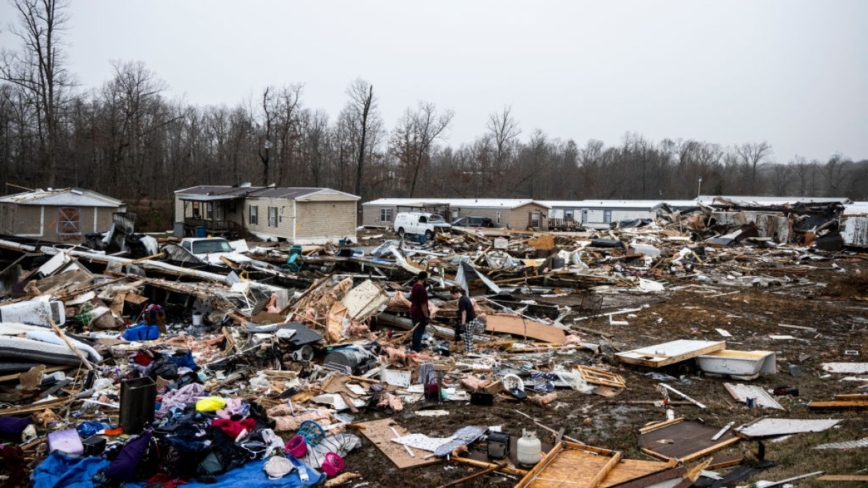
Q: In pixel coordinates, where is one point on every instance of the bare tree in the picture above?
(413, 137)
(504, 130)
(364, 118)
(780, 176)
(133, 112)
(265, 143)
(751, 156)
(39, 68)
(803, 171)
(834, 173)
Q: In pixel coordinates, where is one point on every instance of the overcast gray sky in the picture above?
(793, 73)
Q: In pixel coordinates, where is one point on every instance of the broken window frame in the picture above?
(272, 216)
(253, 210)
(69, 221)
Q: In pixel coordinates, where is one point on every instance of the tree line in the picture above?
(130, 139)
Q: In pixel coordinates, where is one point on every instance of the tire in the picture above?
(401, 231)
(429, 235)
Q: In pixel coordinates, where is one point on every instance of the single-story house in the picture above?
(57, 215)
(297, 215)
(505, 212)
(601, 213)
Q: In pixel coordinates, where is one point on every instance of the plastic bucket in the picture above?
(332, 465)
(297, 446)
(197, 319)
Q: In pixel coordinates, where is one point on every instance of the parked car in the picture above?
(210, 249)
(420, 223)
(474, 222)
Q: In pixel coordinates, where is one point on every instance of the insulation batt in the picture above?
(544, 400)
(473, 383)
(391, 401)
(396, 355)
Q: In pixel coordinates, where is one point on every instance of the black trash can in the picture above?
(138, 397)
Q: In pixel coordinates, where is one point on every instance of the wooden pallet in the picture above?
(597, 376)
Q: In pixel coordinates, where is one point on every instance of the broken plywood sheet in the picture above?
(379, 432)
(682, 440)
(774, 427)
(846, 368)
(760, 396)
(669, 352)
(521, 327)
(364, 300)
(571, 465)
(423, 442)
(633, 469)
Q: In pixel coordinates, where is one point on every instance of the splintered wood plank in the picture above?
(379, 432)
(669, 352)
(684, 441)
(521, 327)
(597, 376)
(843, 477)
(839, 404)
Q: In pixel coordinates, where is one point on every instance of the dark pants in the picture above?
(418, 332)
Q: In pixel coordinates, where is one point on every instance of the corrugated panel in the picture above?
(844, 445)
(846, 368)
(856, 231)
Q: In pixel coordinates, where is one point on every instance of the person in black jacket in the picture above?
(468, 322)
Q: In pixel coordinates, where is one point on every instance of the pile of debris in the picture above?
(274, 365)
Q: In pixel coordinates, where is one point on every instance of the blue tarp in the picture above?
(252, 475)
(59, 471)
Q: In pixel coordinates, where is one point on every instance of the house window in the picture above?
(568, 215)
(385, 215)
(209, 210)
(497, 217)
(534, 219)
(607, 216)
(254, 214)
(219, 211)
(196, 210)
(272, 216)
(68, 222)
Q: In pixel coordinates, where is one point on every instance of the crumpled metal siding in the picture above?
(855, 231)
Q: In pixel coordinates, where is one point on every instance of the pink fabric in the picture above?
(233, 405)
(189, 393)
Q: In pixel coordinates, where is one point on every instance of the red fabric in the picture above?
(163, 479)
(12, 458)
(143, 359)
(418, 299)
(232, 428)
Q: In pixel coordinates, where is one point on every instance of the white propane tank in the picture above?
(529, 448)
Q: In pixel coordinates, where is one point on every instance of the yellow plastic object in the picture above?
(244, 276)
(210, 404)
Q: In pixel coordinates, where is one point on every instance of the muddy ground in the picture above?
(821, 297)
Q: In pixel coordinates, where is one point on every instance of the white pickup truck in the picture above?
(210, 249)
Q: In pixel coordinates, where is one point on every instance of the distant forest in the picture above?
(130, 140)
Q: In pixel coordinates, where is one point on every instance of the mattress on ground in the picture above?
(14, 349)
